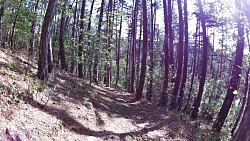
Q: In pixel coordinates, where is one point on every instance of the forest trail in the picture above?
(67, 108)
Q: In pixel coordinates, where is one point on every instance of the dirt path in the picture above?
(66, 108)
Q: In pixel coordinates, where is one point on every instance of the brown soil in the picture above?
(68, 109)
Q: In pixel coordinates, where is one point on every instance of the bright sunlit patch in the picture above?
(235, 92)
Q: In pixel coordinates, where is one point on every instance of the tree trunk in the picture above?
(43, 50)
(33, 26)
(144, 52)
(234, 81)
(133, 47)
(1, 15)
(89, 41)
(197, 101)
(107, 80)
(185, 66)
(171, 40)
(80, 48)
(72, 64)
(96, 61)
(50, 51)
(179, 57)
(138, 55)
(61, 40)
(56, 56)
(220, 66)
(14, 24)
(243, 133)
(127, 61)
(118, 51)
(243, 102)
(151, 52)
(164, 95)
(186, 109)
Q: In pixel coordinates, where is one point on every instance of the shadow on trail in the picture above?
(67, 121)
(114, 103)
(76, 127)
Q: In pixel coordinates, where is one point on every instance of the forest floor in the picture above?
(67, 108)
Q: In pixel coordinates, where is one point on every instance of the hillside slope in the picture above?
(66, 108)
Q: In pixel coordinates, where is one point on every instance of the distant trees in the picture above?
(203, 73)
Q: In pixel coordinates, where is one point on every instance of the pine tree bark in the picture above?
(144, 52)
(43, 49)
(197, 102)
(234, 81)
